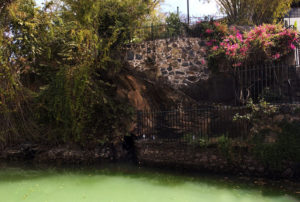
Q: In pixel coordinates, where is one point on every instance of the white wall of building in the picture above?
(291, 22)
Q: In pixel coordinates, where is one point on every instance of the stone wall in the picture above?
(180, 61)
(212, 159)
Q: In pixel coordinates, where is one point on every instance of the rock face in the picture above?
(181, 63)
(146, 94)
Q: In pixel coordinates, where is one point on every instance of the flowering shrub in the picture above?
(213, 32)
(269, 42)
(273, 41)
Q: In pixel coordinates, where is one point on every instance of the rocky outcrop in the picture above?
(146, 94)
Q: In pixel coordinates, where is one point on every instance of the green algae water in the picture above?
(125, 184)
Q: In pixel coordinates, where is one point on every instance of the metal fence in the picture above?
(206, 123)
(195, 20)
(162, 31)
(275, 83)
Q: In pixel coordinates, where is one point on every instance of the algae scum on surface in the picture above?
(124, 184)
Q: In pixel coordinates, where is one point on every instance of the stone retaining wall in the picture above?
(63, 155)
(210, 158)
(180, 61)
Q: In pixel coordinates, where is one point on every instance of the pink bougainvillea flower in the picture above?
(215, 48)
(258, 32)
(265, 38)
(239, 36)
(209, 43)
(270, 28)
(244, 50)
(276, 56)
(217, 24)
(237, 64)
(209, 31)
(292, 46)
(233, 29)
(203, 62)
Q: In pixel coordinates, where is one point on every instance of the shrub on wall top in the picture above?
(269, 42)
(212, 31)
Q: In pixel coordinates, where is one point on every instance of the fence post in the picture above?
(188, 12)
(152, 29)
(290, 81)
(139, 122)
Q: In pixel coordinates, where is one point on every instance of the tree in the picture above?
(3, 12)
(4, 4)
(254, 11)
(59, 68)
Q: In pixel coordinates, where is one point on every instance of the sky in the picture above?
(197, 9)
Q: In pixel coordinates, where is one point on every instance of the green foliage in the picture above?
(210, 30)
(59, 70)
(225, 146)
(286, 148)
(254, 11)
(174, 25)
(15, 102)
(213, 33)
(295, 25)
(258, 111)
(195, 140)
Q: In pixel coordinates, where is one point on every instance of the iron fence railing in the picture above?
(162, 31)
(275, 83)
(193, 125)
(195, 20)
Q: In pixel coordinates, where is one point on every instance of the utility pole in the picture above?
(178, 10)
(188, 11)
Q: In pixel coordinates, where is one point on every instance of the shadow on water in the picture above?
(157, 177)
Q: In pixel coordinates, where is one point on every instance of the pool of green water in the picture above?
(125, 184)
